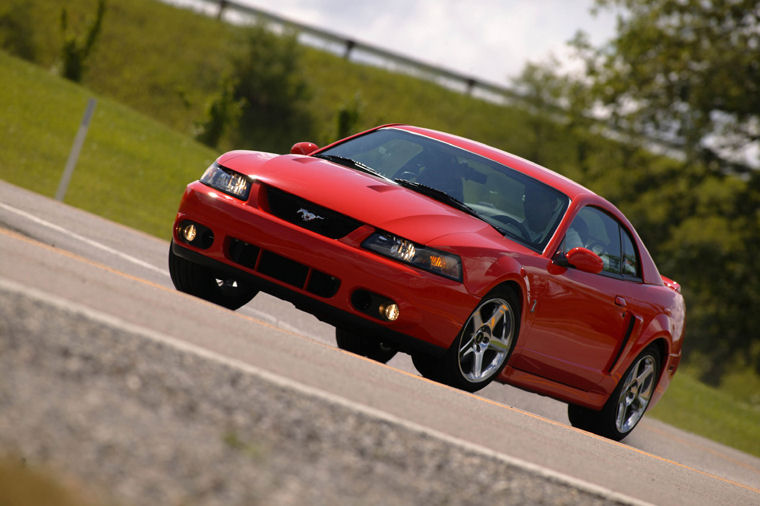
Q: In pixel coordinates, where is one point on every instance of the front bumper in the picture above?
(327, 277)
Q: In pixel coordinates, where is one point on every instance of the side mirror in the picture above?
(303, 148)
(585, 260)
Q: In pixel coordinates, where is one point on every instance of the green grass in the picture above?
(715, 414)
(168, 63)
(132, 169)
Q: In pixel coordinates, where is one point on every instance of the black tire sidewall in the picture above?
(197, 280)
(363, 345)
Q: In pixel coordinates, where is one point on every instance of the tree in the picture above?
(268, 80)
(75, 50)
(685, 73)
(17, 29)
(348, 116)
(688, 71)
(222, 113)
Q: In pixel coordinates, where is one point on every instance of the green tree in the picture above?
(269, 80)
(75, 50)
(680, 73)
(348, 116)
(222, 113)
(17, 29)
(686, 71)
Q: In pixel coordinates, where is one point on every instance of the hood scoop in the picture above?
(382, 188)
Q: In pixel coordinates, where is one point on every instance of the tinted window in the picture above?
(519, 206)
(630, 258)
(594, 229)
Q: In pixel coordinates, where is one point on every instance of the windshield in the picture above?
(518, 206)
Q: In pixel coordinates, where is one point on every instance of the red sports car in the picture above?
(479, 264)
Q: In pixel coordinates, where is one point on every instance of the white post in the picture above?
(76, 148)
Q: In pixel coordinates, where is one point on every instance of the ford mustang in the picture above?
(478, 263)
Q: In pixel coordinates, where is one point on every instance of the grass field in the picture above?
(132, 170)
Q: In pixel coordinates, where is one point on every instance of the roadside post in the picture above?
(76, 148)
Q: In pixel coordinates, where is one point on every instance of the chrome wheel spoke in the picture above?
(636, 393)
(486, 340)
(476, 319)
(477, 365)
(646, 374)
(468, 347)
(498, 316)
(497, 345)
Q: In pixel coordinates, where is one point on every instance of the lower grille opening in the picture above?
(243, 253)
(323, 284)
(283, 269)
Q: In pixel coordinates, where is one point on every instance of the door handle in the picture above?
(620, 301)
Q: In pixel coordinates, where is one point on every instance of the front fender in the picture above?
(505, 270)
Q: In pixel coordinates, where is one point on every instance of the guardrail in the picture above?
(358, 51)
(355, 50)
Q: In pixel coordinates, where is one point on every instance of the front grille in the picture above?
(308, 215)
(282, 269)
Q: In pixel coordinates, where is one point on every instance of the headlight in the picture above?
(227, 181)
(429, 259)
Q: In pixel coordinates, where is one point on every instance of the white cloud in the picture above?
(489, 39)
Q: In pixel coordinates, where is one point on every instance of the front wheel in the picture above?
(364, 345)
(482, 348)
(202, 282)
(627, 404)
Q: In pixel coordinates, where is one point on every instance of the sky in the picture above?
(490, 40)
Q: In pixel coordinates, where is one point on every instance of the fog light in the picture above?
(189, 232)
(389, 311)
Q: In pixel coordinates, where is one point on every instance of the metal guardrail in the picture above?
(351, 49)
(355, 50)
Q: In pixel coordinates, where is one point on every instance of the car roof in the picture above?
(534, 170)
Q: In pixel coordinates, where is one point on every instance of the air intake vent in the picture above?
(282, 269)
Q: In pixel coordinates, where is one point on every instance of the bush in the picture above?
(76, 51)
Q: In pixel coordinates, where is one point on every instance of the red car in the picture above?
(479, 264)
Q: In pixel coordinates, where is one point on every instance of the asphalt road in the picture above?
(111, 269)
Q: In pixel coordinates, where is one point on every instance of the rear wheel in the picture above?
(203, 282)
(364, 345)
(627, 404)
(482, 348)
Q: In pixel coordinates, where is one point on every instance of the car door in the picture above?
(582, 320)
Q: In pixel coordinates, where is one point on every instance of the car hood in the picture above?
(364, 197)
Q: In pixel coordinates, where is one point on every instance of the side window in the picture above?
(594, 229)
(630, 258)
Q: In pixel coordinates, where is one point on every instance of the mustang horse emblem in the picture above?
(307, 215)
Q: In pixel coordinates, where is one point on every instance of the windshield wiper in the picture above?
(438, 195)
(444, 197)
(350, 162)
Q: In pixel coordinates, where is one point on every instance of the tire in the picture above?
(428, 366)
(194, 279)
(483, 346)
(629, 401)
(364, 346)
